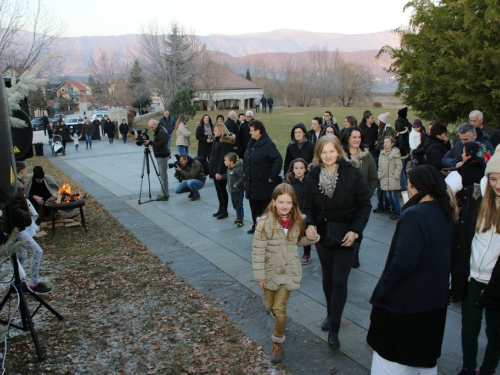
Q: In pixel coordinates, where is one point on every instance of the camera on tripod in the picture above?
(176, 162)
(140, 136)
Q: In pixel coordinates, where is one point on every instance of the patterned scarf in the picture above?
(327, 181)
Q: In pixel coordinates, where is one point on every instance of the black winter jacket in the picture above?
(204, 148)
(300, 189)
(262, 162)
(293, 151)
(434, 149)
(109, 129)
(350, 202)
(160, 143)
(19, 211)
(403, 143)
(123, 128)
(168, 123)
(311, 136)
(235, 176)
(220, 147)
(243, 138)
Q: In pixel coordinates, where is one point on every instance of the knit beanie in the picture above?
(403, 112)
(417, 123)
(38, 173)
(384, 117)
(493, 165)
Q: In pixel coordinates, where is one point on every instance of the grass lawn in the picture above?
(279, 124)
(125, 311)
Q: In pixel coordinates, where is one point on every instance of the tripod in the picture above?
(18, 287)
(145, 165)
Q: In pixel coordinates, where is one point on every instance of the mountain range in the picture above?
(240, 52)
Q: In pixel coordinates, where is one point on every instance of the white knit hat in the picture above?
(493, 165)
(454, 181)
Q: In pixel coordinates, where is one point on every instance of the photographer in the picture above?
(190, 174)
(162, 154)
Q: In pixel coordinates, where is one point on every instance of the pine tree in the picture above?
(248, 75)
(138, 87)
(182, 103)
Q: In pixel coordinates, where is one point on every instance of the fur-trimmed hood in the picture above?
(228, 138)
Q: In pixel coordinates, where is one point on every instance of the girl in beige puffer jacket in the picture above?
(275, 261)
(389, 170)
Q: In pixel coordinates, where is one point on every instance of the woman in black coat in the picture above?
(402, 138)
(109, 129)
(65, 135)
(204, 135)
(300, 147)
(435, 146)
(335, 192)
(316, 128)
(411, 298)
(223, 143)
(262, 164)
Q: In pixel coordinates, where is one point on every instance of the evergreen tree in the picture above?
(248, 75)
(182, 103)
(138, 87)
(449, 59)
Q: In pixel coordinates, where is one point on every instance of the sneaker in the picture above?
(161, 198)
(306, 258)
(40, 288)
(236, 221)
(190, 195)
(394, 216)
(240, 223)
(196, 197)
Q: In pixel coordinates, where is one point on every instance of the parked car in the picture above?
(75, 124)
(37, 123)
(99, 115)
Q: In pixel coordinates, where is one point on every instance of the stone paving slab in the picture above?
(215, 257)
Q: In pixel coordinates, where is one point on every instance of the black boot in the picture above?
(219, 211)
(333, 335)
(326, 325)
(223, 214)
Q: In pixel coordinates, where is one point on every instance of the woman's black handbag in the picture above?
(335, 233)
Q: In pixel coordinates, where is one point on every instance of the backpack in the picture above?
(204, 164)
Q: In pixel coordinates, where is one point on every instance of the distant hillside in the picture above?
(245, 51)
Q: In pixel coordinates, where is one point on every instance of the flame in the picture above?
(65, 191)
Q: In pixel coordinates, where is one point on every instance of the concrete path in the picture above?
(215, 257)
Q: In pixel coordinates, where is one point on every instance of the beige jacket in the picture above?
(183, 135)
(389, 169)
(275, 260)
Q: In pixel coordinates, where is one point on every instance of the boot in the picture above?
(394, 216)
(219, 211)
(277, 350)
(223, 214)
(333, 335)
(326, 325)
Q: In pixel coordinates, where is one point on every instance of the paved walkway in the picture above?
(215, 257)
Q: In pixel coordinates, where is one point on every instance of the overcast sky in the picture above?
(232, 17)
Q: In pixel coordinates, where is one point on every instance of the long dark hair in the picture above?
(366, 116)
(345, 139)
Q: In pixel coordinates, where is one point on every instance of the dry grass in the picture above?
(125, 312)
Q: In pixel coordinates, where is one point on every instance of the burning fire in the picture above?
(65, 195)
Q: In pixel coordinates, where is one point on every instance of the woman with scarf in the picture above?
(411, 298)
(335, 196)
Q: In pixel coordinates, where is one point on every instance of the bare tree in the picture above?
(210, 73)
(171, 57)
(28, 34)
(354, 82)
(284, 78)
(109, 75)
(323, 65)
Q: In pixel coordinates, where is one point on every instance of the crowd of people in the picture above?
(443, 197)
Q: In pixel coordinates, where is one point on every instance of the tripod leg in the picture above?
(142, 176)
(46, 305)
(148, 171)
(25, 315)
(6, 298)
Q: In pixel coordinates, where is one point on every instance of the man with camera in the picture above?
(190, 174)
(162, 154)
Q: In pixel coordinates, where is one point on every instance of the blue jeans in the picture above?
(88, 140)
(124, 135)
(191, 186)
(237, 200)
(392, 197)
(402, 177)
(383, 202)
(183, 150)
(169, 143)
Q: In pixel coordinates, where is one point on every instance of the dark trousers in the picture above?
(258, 206)
(237, 200)
(222, 196)
(471, 326)
(335, 265)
